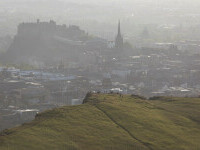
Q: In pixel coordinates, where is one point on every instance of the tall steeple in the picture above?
(119, 39)
(119, 28)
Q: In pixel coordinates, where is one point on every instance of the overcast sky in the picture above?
(99, 15)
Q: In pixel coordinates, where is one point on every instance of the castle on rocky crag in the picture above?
(49, 29)
(48, 42)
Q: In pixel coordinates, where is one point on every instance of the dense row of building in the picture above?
(69, 63)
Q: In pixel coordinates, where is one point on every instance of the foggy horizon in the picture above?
(88, 14)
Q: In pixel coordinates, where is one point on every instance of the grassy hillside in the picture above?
(112, 122)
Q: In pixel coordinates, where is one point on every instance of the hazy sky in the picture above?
(99, 15)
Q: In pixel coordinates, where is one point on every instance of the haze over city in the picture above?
(100, 74)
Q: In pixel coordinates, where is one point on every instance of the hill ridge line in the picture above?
(173, 112)
(127, 131)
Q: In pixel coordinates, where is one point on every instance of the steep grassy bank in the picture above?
(112, 122)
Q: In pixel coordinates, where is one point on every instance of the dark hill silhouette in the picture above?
(47, 41)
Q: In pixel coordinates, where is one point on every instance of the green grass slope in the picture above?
(112, 122)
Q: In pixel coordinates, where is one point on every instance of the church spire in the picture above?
(119, 38)
(119, 28)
